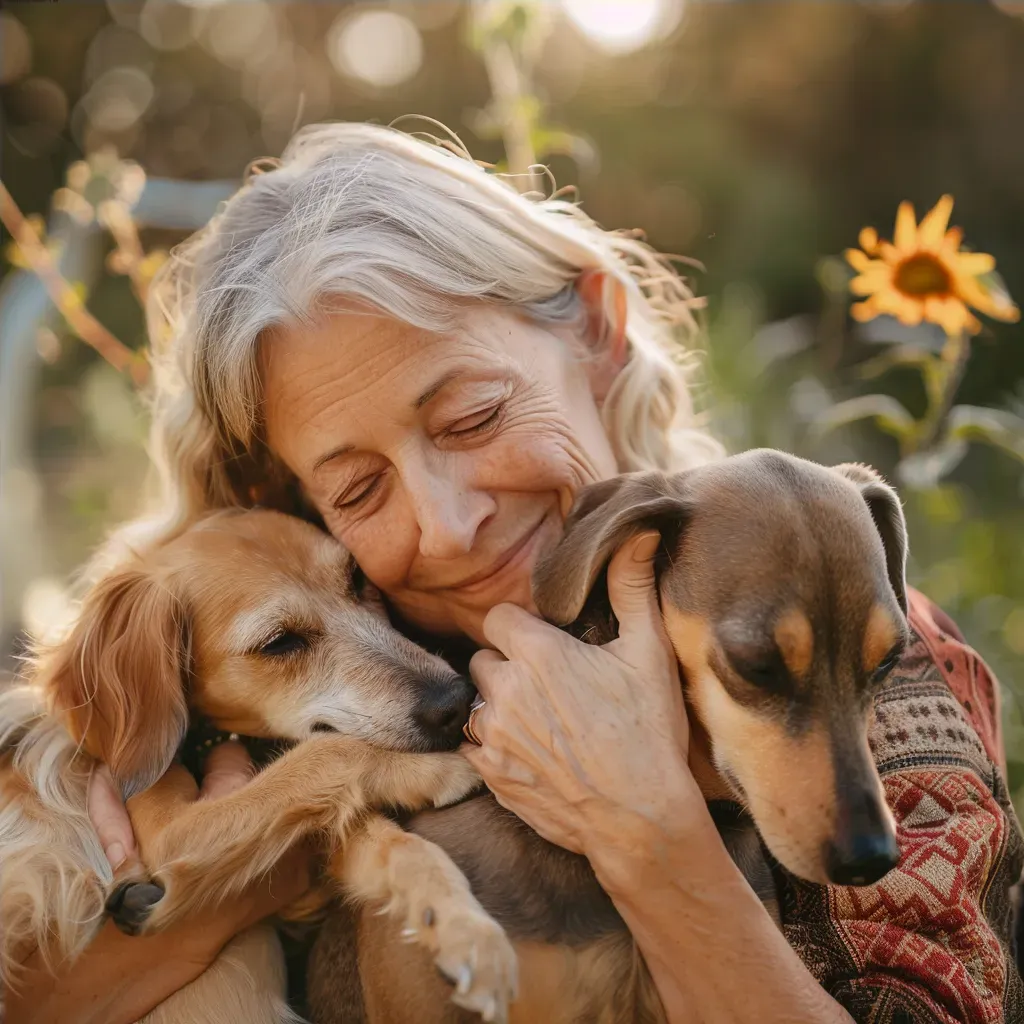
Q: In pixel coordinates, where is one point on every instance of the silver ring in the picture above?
(467, 730)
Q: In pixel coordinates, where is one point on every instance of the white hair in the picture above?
(369, 214)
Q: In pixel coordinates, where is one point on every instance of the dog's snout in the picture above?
(864, 848)
(442, 710)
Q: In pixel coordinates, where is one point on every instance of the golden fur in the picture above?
(253, 620)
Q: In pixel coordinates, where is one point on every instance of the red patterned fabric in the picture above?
(930, 942)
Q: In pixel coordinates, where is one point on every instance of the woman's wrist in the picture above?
(634, 848)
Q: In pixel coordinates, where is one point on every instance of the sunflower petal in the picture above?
(976, 263)
(866, 284)
(954, 238)
(910, 312)
(868, 239)
(934, 223)
(864, 311)
(857, 259)
(905, 236)
(949, 313)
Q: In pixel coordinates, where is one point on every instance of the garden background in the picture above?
(755, 137)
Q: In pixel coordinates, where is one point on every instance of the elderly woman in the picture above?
(380, 336)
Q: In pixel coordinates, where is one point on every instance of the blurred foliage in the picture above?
(757, 138)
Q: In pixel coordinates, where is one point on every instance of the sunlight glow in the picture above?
(621, 26)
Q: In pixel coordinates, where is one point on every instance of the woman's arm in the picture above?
(589, 746)
(120, 978)
(714, 952)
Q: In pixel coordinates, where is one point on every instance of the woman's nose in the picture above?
(448, 514)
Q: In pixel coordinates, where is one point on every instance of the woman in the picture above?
(379, 335)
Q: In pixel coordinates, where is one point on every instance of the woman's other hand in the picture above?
(119, 978)
(587, 743)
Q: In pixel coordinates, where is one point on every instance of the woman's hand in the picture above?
(120, 979)
(587, 743)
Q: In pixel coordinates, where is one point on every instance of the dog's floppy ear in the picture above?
(603, 518)
(887, 512)
(118, 679)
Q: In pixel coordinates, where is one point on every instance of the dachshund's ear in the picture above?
(887, 512)
(603, 518)
(118, 680)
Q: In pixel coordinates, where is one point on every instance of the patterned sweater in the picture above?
(931, 943)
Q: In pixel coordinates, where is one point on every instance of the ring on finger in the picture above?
(469, 730)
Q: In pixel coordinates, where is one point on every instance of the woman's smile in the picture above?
(447, 464)
(515, 563)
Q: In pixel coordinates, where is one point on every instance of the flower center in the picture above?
(922, 275)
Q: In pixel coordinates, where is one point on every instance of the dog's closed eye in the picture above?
(887, 664)
(288, 641)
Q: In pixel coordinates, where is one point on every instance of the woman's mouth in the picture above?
(509, 563)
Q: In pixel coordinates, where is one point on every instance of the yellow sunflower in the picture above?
(924, 275)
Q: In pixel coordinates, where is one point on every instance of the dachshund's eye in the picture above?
(287, 642)
(887, 664)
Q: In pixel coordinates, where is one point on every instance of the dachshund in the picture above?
(782, 589)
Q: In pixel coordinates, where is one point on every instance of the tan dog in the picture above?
(253, 620)
(782, 587)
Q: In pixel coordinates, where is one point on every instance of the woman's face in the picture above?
(444, 462)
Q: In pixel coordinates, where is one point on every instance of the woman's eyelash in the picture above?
(480, 426)
(344, 502)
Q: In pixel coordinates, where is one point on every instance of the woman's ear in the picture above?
(118, 680)
(604, 299)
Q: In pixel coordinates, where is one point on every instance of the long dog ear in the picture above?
(887, 512)
(604, 517)
(118, 680)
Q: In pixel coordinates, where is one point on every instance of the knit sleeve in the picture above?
(931, 942)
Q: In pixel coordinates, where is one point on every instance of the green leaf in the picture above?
(924, 470)
(899, 355)
(997, 427)
(889, 415)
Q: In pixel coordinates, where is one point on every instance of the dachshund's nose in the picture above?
(442, 710)
(864, 848)
(863, 859)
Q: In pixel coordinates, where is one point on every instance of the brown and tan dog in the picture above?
(782, 588)
(254, 620)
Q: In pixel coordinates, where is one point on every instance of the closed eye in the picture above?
(286, 642)
(887, 664)
(477, 423)
(359, 492)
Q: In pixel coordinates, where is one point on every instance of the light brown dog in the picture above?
(253, 620)
(781, 583)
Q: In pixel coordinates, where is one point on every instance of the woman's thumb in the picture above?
(631, 587)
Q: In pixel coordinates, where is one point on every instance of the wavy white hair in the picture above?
(414, 228)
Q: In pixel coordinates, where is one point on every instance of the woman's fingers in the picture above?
(109, 817)
(228, 768)
(632, 591)
(484, 667)
(518, 634)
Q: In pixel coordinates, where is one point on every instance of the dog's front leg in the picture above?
(417, 882)
(203, 851)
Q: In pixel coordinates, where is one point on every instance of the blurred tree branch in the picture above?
(64, 295)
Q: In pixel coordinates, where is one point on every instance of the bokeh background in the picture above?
(755, 137)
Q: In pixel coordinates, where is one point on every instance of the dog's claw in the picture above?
(464, 979)
(131, 903)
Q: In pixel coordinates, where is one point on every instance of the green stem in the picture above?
(951, 366)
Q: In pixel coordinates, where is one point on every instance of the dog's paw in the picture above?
(131, 904)
(472, 951)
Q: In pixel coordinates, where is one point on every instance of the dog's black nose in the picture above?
(864, 858)
(443, 709)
